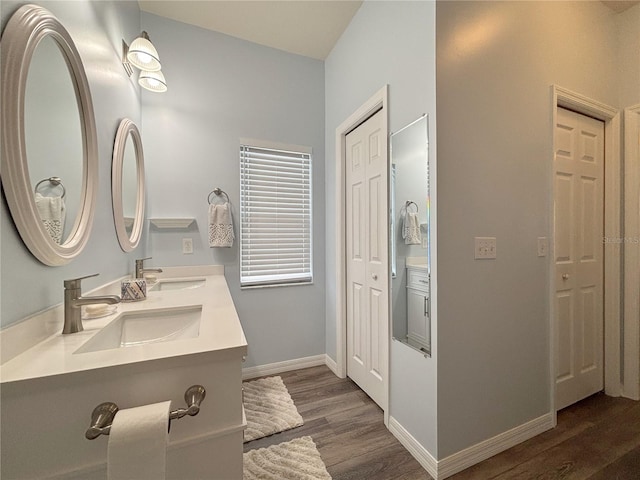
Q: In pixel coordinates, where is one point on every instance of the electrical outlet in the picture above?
(543, 246)
(187, 246)
(485, 248)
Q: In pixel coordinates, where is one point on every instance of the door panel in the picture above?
(564, 195)
(589, 329)
(378, 316)
(374, 219)
(579, 229)
(356, 335)
(590, 205)
(367, 259)
(564, 334)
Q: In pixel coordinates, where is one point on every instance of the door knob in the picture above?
(565, 276)
(374, 276)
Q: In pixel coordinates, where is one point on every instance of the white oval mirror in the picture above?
(127, 185)
(49, 148)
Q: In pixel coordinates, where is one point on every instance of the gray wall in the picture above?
(496, 63)
(628, 64)
(97, 29)
(221, 90)
(386, 43)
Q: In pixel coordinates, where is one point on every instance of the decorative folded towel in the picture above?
(220, 226)
(411, 229)
(52, 211)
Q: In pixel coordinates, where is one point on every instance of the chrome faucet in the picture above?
(73, 300)
(140, 270)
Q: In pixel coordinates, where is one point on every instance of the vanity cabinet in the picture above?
(418, 308)
(49, 390)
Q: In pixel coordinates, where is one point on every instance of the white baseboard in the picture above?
(441, 469)
(481, 451)
(421, 454)
(286, 366)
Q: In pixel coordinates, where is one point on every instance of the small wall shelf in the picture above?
(172, 222)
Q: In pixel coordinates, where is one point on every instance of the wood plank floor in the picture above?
(596, 439)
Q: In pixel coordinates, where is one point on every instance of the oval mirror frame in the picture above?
(22, 34)
(126, 130)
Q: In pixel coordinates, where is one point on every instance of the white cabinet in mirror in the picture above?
(128, 185)
(53, 139)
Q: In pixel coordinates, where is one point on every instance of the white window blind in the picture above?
(275, 216)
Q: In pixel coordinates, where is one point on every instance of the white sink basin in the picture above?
(132, 329)
(176, 284)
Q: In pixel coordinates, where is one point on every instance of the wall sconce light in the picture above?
(153, 81)
(144, 56)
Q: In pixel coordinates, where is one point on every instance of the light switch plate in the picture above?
(485, 248)
(543, 246)
(187, 246)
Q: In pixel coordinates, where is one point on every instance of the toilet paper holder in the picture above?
(103, 415)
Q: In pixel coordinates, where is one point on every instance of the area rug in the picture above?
(268, 408)
(298, 459)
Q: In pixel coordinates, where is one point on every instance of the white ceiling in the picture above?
(309, 28)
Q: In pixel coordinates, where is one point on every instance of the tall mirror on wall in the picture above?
(49, 142)
(410, 242)
(128, 185)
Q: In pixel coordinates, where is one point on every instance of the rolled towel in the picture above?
(411, 229)
(52, 212)
(220, 226)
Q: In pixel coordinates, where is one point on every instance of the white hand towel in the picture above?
(411, 229)
(220, 226)
(52, 211)
(137, 448)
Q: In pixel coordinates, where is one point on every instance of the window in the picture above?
(275, 215)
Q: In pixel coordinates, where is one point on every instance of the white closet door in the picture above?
(579, 220)
(367, 258)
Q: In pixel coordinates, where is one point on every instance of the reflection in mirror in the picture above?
(410, 242)
(48, 133)
(127, 185)
(53, 139)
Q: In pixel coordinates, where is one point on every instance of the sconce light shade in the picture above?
(153, 81)
(143, 55)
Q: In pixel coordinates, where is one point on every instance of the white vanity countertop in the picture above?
(220, 329)
(417, 262)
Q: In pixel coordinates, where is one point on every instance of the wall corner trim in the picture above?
(492, 446)
(421, 454)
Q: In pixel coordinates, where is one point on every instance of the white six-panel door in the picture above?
(367, 258)
(579, 224)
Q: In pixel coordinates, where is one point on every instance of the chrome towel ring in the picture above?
(408, 203)
(55, 181)
(218, 192)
